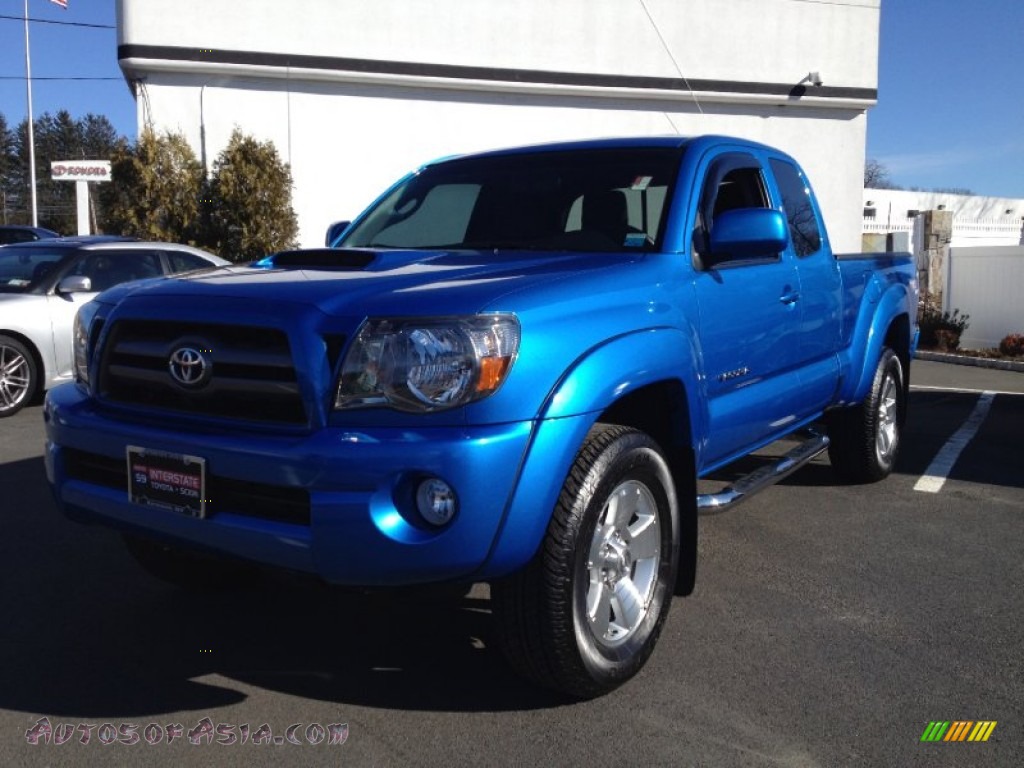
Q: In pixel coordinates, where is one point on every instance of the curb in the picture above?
(974, 362)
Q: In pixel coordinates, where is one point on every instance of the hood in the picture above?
(367, 282)
(17, 301)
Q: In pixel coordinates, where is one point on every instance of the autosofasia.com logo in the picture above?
(958, 730)
(205, 732)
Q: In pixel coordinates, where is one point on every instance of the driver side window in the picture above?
(734, 180)
(105, 268)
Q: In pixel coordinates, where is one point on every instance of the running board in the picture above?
(762, 477)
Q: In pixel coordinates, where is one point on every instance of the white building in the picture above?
(356, 93)
(977, 221)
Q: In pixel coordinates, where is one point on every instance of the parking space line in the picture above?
(961, 390)
(938, 471)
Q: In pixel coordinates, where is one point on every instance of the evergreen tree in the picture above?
(57, 137)
(155, 189)
(250, 191)
(9, 197)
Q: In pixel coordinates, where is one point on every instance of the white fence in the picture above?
(985, 282)
(967, 232)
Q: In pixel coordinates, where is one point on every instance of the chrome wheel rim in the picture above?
(622, 564)
(888, 412)
(14, 378)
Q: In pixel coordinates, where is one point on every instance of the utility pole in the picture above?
(31, 134)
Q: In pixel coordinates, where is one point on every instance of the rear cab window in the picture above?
(182, 261)
(804, 232)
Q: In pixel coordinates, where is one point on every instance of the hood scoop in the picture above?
(343, 259)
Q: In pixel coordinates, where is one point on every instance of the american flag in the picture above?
(62, 3)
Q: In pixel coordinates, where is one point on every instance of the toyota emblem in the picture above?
(189, 367)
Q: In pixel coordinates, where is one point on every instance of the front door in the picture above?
(749, 321)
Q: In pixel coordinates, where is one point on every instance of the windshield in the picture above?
(609, 200)
(22, 269)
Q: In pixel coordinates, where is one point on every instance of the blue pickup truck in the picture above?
(513, 367)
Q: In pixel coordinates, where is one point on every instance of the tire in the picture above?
(19, 377)
(584, 615)
(865, 439)
(189, 571)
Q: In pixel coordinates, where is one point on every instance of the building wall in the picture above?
(355, 94)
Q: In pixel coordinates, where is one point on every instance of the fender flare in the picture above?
(634, 360)
(873, 325)
(572, 407)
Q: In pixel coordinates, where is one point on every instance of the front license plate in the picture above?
(169, 480)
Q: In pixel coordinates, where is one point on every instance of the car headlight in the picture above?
(427, 364)
(80, 339)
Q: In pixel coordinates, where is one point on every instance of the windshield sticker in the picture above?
(636, 239)
(641, 183)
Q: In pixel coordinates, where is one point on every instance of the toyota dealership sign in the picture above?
(80, 170)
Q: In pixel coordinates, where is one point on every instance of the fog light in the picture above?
(436, 502)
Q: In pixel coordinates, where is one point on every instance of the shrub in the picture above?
(932, 320)
(155, 189)
(1012, 345)
(250, 197)
(947, 341)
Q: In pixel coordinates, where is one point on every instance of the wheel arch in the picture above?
(645, 409)
(897, 338)
(882, 324)
(658, 380)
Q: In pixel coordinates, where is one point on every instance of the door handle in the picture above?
(790, 297)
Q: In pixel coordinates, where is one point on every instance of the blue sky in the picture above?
(951, 95)
(951, 85)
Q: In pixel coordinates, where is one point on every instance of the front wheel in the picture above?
(584, 616)
(18, 377)
(865, 439)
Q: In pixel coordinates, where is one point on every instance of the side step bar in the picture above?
(761, 478)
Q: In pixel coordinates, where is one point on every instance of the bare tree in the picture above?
(876, 175)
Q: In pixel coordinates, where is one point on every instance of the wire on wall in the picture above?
(675, 63)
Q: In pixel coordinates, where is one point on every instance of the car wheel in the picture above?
(18, 376)
(865, 439)
(584, 616)
(189, 571)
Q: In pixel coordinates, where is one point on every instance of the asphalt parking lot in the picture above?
(831, 624)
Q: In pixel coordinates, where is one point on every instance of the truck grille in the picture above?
(244, 373)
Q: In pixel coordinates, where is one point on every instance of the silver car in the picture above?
(42, 285)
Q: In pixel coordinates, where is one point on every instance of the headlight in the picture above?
(427, 364)
(80, 339)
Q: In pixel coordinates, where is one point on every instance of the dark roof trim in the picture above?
(496, 74)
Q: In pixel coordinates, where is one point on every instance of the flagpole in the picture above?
(31, 133)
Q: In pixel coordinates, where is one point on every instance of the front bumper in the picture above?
(361, 527)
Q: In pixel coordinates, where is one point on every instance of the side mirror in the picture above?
(748, 232)
(335, 231)
(75, 284)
